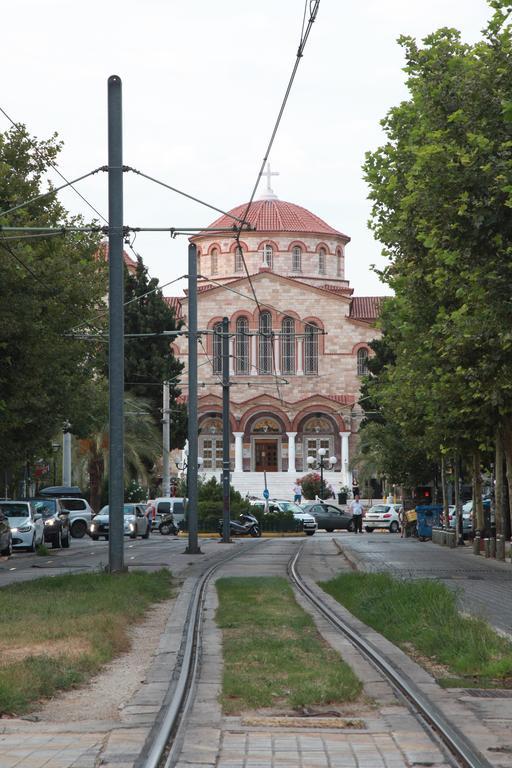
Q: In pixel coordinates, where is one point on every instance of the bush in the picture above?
(310, 484)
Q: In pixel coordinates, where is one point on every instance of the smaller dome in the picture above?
(279, 216)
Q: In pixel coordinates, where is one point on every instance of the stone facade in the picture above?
(296, 378)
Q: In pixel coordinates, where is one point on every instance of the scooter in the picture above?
(168, 526)
(248, 526)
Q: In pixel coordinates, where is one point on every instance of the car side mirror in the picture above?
(37, 516)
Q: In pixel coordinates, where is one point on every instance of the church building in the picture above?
(298, 346)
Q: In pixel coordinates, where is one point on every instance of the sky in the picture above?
(202, 85)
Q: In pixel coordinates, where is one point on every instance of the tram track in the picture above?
(165, 740)
(463, 753)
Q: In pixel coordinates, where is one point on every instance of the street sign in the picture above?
(266, 493)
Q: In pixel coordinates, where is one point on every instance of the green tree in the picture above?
(48, 286)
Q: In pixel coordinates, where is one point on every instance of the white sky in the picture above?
(202, 84)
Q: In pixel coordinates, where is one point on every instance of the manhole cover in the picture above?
(489, 693)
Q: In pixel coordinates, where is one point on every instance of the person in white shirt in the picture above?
(357, 510)
(297, 492)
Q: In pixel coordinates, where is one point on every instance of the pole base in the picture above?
(193, 551)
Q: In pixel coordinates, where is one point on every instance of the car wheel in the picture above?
(94, 537)
(393, 528)
(133, 535)
(146, 535)
(57, 540)
(329, 530)
(32, 547)
(350, 527)
(368, 530)
(7, 552)
(79, 529)
(309, 533)
(165, 529)
(65, 542)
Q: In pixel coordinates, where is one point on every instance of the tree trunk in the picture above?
(498, 495)
(507, 447)
(459, 530)
(96, 469)
(478, 509)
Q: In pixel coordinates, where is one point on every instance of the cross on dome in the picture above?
(269, 193)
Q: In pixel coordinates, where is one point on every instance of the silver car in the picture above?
(135, 522)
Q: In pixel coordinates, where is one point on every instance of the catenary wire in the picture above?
(28, 269)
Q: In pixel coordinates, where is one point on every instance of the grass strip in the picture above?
(423, 615)
(273, 654)
(57, 632)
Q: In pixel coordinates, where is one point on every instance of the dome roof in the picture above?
(279, 216)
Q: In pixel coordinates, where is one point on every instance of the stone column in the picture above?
(277, 354)
(254, 356)
(239, 456)
(345, 472)
(300, 357)
(291, 452)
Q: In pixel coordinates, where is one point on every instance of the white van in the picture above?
(165, 504)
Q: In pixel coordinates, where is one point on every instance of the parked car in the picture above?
(309, 524)
(166, 504)
(330, 518)
(5, 536)
(383, 516)
(55, 520)
(27, 527)
(80, 515)
(468, 522)
(135, 522)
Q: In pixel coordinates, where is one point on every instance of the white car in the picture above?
(309, 524)
(135, 522)
(383, 516)
(80, 515)
(26, 524)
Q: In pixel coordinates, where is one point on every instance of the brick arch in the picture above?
(361, 345)
(321, 409)
(243, 245)
(267, 241)
(325, 247)
(216, 412)
(256, 315)
(321, 327)
(209, 337)
(289, 313)
(211, 248)
(265, 410)
(299, 243)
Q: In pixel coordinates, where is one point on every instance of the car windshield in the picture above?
(46, 507)
(379, 508)
(128, 509)
(12, 509)
(289, 506)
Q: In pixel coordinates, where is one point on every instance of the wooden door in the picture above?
(266, 455)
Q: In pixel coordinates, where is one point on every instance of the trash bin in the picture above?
(342, 497)
(427, 515)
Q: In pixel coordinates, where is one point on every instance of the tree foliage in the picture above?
(49, 285)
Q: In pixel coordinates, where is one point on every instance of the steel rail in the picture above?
(451, 737)
(183, 695)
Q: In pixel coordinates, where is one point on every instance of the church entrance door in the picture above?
(266, 455)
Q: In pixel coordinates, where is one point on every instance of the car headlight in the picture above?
(131, 526)
(23, 529)
(93, 526)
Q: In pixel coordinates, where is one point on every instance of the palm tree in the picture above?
(142, 447)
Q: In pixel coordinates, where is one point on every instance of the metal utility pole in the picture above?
(225, 431)
(166, 439)
(116, 328)
(193, 547)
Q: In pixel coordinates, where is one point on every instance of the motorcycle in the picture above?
(249, 526)
(168, 526)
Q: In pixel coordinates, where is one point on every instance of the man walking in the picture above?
(357, 510)
(297, 492)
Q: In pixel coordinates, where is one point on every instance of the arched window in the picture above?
(311, 349)
(296, 259)
(339, 263)
(214, 264)
(217, 348)
(265, 345)
(288, 345)
(242, 346)
(268, 256)
(239, 262)
(362, 362)
(321, 261)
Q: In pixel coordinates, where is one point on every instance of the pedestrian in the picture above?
(297, 492)
(357, 510)
(402, 519)
(355, 487)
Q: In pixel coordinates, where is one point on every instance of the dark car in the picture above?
(5, 536)
(329, 517)
(55, 520)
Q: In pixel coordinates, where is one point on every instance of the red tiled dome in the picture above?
(279, 216)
